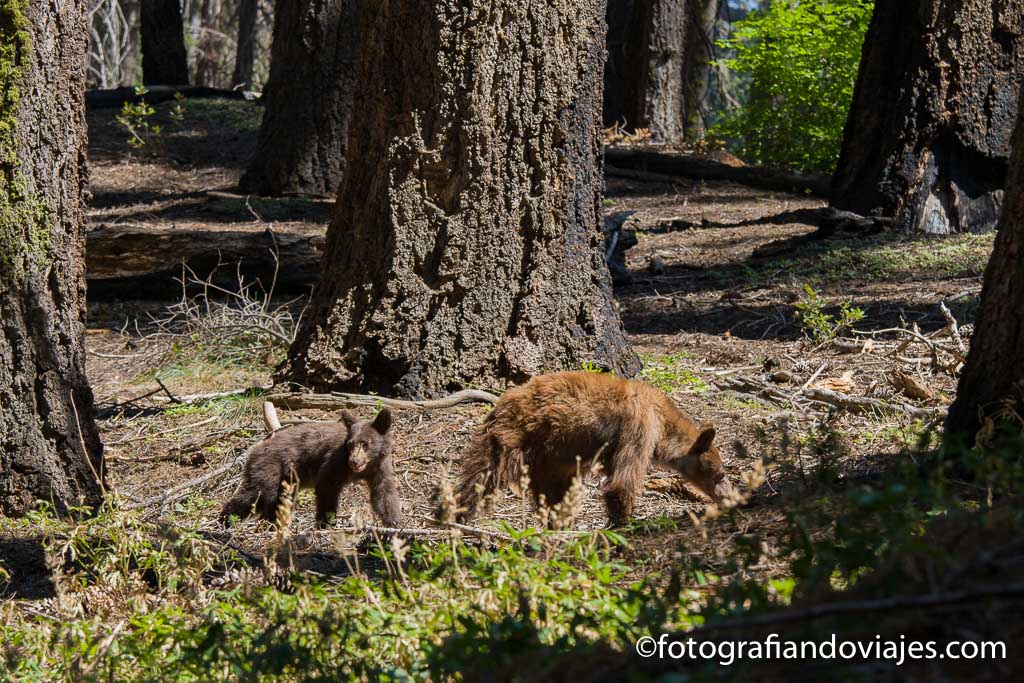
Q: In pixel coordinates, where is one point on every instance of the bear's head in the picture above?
(701, 463)
(369, 441)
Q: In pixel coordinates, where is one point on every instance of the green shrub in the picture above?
(821, 326)
(799, 61)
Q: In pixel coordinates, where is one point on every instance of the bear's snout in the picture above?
(359, 458)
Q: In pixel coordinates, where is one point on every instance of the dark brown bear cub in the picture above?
(551, 420)
(324, 457)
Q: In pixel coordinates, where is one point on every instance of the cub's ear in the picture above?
(348, 418)
(703, 441)
(382, 423)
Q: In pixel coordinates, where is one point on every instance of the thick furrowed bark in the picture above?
(993, 377)
(928, 136)
(49, 445)
(308, 98)
(465, 247)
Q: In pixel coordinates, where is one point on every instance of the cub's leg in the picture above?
(268, 480)
(327, 503)
(479, 473)
(626, 469)
(384, 498)
(241, 504)
(552, 485)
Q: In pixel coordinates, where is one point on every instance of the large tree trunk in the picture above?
(245, 50)
(308, 98)
(164, 60)
(49, 445)
(645, 75)
(465, 247)
(928, 136)
(994, 371)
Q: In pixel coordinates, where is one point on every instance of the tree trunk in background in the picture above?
(164, 61)
(465, 247)
(928, 136)
(49, 445)
(245, 52)
(994, 371)
(210, 49)
(308, 99)
(645, 75)
(699, 54)
(132, 68)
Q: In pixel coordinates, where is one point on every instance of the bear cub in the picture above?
(324, 457)
(549, 422)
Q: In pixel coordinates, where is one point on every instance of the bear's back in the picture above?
(302, 448)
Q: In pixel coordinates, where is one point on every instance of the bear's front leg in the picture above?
(327, 504)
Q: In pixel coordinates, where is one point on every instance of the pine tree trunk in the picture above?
(49, 445)
(645, 75)
(245, 51)
(928, 136)
(699, 54)
(308, 99)
(465, 247)
(164, 60)
(994, 371)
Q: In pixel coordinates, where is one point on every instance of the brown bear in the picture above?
(549, 422)
(324, 457)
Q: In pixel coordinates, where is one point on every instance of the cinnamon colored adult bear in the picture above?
(551, 420)
(324, 457)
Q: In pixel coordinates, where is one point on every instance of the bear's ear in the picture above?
(348, 418)
(703, 441)
(382, 423)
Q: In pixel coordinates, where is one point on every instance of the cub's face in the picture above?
(702, 465)
(368, 440)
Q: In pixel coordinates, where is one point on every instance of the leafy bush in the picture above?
(147, 602)
(799, 60)
(821, 326)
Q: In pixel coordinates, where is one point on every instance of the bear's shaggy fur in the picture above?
(324, 457)
(549, 422)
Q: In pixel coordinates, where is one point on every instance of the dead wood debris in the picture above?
(334, 401)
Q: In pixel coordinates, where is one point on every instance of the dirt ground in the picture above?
(716, 326)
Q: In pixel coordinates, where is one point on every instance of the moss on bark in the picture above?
(23, 229)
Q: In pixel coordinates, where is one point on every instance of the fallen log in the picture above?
(116, 97)
(701, 168)
(299, 400)
(132, 262)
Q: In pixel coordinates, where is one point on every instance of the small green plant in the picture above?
(799, 60)
(135, 118)
(177, 112)
(669, 373)
(587, 366)
(821, 326)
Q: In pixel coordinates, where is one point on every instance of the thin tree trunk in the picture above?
(245, 52)
(164, 60)
(928, 136)
(308, 99)
(49, 446)
(210, 49)
(992, 382)
(699, 54)
(645, 75)
(465, 247)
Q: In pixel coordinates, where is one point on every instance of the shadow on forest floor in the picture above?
(25, 560)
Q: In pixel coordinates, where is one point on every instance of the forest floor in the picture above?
(716, 326)
(699, 308)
